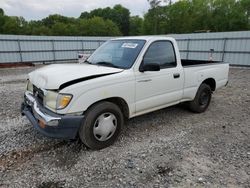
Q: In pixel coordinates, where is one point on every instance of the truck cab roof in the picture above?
(147, 38)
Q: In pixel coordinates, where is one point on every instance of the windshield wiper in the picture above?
(107, 64)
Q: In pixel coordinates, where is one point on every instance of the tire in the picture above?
(102, 125)
(202, 99)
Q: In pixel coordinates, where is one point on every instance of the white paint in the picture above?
(161, 91)
(52, 76)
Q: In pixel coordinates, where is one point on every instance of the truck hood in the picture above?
(63, 75)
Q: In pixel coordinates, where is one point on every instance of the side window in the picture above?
(162, 53)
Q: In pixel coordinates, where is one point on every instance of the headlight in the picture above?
(29, 86)
(63, 100)
(50, 99)
(56, 101)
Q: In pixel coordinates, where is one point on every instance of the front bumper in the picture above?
(49, 123)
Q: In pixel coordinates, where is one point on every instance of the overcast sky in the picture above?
(38, 9)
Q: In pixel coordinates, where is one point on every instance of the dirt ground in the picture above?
(168, 148)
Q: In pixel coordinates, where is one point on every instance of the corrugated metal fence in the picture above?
(19, 49)
(232, 47)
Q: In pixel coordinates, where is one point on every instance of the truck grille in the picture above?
(38, 93)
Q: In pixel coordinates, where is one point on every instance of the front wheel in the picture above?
(102, 125)
(202, 99)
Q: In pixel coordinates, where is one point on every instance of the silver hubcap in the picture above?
(105, 126)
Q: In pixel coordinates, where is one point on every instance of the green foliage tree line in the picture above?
(186, 16)
(163, 17)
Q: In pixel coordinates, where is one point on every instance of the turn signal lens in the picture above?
(42, 124)
(63, 100)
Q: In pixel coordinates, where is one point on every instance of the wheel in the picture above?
(202, 99)
(102, 125)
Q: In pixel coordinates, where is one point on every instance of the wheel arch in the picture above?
(211, 82)
(120, 102)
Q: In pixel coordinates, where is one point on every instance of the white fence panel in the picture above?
(232, 47)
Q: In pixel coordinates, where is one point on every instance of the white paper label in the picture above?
(129, 45)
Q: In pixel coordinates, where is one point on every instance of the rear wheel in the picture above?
(102, 125)
(202, 99)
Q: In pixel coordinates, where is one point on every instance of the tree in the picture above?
(154, 3)
(163, 17)
(97, 26)
(188, 16)
(136, 26)
(201, 15)
(180, 17)
(121, 18)
(2, 20)
(118, 14)
(11, 25)
(154, 20)
(56, 18)
(1, 12)
(59, 29)
(245, 7)
(153, 17)
(153, 13)
(228, 15)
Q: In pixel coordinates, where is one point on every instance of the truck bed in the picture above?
(190, 62)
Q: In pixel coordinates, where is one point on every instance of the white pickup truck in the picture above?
(124, 78)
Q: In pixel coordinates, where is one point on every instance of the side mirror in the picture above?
(150, 67)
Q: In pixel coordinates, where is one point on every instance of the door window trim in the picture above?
(142, 63)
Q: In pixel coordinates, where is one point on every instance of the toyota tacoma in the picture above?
(122, 79)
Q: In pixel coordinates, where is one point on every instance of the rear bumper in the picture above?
(49, 123)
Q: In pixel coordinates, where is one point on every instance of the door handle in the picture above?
(176, 75)
(147, 80)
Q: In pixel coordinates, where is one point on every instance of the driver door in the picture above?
(155, 89)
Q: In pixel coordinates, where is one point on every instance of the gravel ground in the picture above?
(168, 148)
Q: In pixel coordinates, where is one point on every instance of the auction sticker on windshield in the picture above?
(129, 45)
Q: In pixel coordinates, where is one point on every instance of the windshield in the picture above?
(117, 53)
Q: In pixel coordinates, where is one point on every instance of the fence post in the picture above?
(188, 43)
(53, 50)
(82, 46)
(224, 49)
(20, 50)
